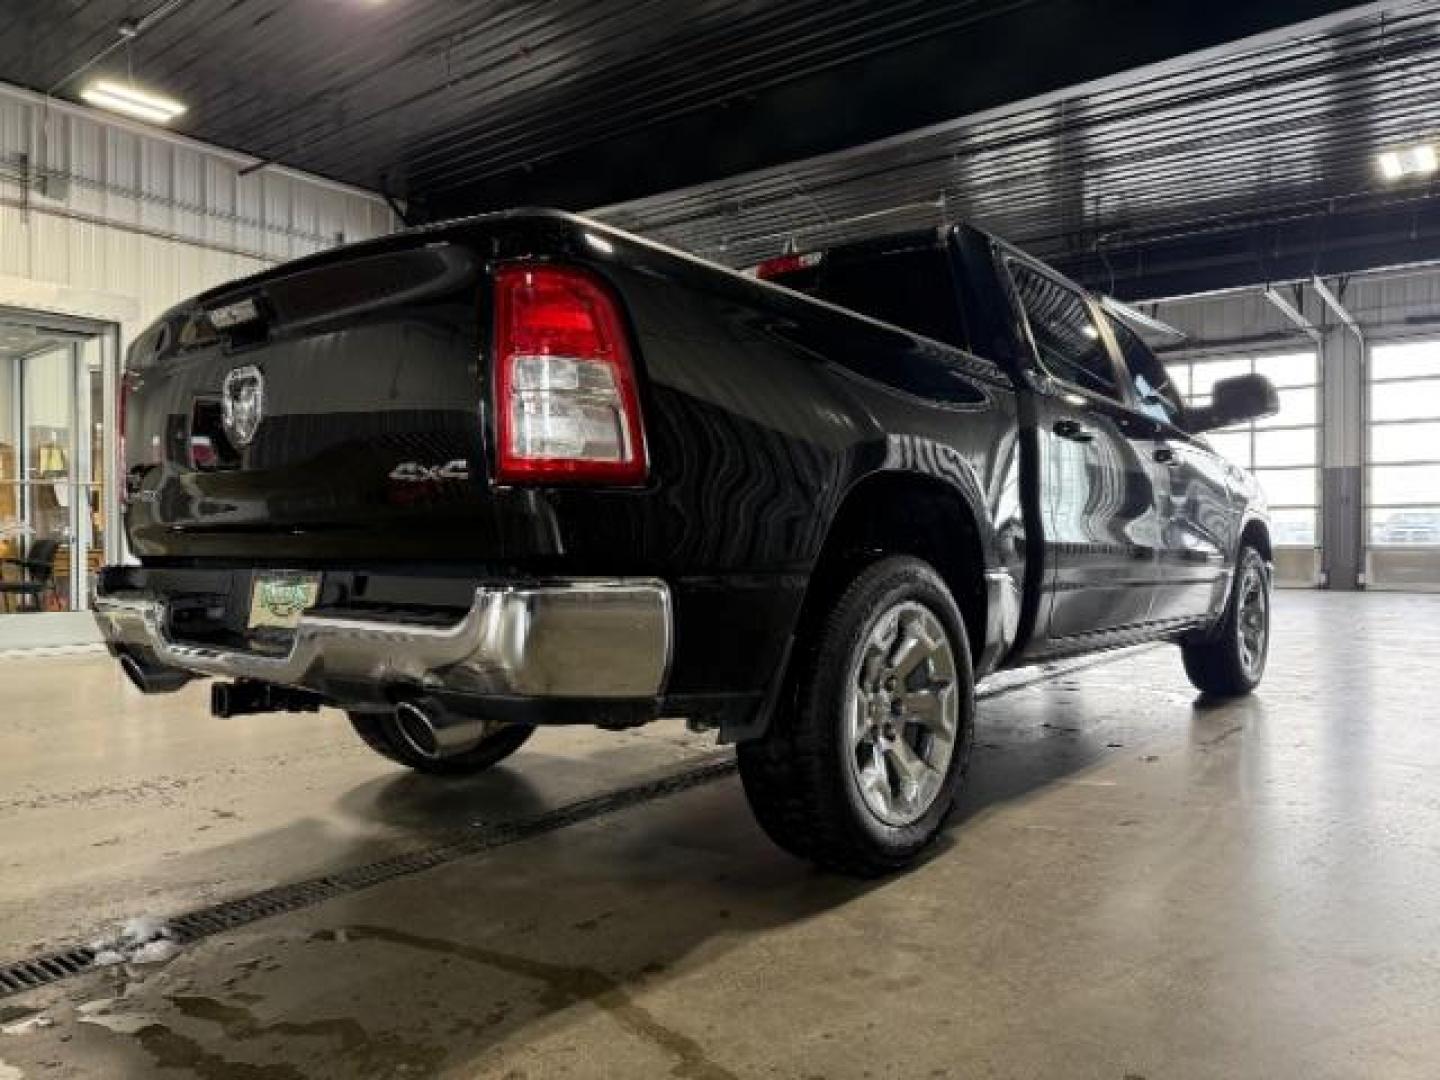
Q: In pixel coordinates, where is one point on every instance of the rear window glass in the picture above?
(912, 289)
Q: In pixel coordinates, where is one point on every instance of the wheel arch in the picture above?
(1257, 532)
(901, 512)
(924, 501)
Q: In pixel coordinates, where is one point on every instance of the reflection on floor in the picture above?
(1138, 885)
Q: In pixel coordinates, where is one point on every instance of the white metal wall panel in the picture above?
(1397, 303)
(275, 209)
(1226, 318)
(14, 242)
(114, 208)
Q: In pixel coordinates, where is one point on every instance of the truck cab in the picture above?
(1132, 519)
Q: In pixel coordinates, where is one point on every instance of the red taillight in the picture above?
(786, 264)
(566, 405)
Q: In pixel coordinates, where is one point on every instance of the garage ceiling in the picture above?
(1237, 159)
(440, 98)
(477, 104)
(459, 107)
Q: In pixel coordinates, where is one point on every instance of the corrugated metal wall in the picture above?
(106, 207)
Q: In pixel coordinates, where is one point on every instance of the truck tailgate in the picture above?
(330, 411)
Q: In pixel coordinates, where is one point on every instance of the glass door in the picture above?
(54, 488)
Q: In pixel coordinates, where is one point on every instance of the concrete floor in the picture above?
(1137, 886)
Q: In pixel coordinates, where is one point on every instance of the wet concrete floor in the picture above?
(1138, 885)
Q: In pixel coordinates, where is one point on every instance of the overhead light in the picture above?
(126, 99)
(1413, 161)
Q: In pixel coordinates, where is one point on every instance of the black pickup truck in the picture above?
(525, 469)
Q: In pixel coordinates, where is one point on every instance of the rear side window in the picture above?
(911, 289)
(1066, 337)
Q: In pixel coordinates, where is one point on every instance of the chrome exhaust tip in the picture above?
(435, 732)
(152, 678)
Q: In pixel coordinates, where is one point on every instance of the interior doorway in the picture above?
(57, 491)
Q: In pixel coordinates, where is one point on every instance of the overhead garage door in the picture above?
(1283, 451)
(1402, 476)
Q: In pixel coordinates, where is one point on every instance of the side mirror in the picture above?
(1235, 400)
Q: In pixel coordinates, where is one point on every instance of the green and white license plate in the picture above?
(279, 597)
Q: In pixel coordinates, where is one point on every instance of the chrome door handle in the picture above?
(1073, 430)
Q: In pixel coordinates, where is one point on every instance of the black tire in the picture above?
(380, 733)
(801, 776)
(1225, 663)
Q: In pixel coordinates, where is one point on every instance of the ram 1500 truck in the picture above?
(526, 469)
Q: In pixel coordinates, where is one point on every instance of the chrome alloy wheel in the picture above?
(1252, 619)
(902, 713)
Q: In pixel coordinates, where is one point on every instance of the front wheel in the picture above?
(861, 770)
(1231, 662)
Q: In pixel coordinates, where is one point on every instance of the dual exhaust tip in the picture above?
(435, 732)
(427, 727)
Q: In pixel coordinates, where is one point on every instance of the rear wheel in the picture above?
(381, 731)
(1231, 662)
(861, 770)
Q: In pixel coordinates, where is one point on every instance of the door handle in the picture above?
(1166, 456)
(1073, 430)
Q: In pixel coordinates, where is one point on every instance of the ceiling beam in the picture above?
(1332, 301)
(1292, 313)
(1376, 234)
(1138, 320)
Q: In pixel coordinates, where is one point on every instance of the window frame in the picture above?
(1170, 429)
(1009, 258)
(1369, 506)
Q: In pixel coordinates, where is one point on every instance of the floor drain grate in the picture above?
(38, 971)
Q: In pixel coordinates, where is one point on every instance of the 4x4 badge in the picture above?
(412, 472)
(242, 403)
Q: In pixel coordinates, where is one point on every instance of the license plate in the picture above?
(279, 598)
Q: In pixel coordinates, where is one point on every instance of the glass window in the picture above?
(1403, 487)
(1282, 450)
(1066, 338)
(1155, 394)
(1289, 369)
(1290, 446)
(1417, 526)
(38, 468)
(1390, 443)
(1393, 485)
(1288, 487)
(1414, 360)
(1206, 375)
(1419, 400)
(1292, 527)
(1233, 446)
(1297, 407)
(910, 288)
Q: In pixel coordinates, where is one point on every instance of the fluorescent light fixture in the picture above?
(1418, 160)
(132, 102)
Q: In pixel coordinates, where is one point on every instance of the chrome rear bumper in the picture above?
(596, 638)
